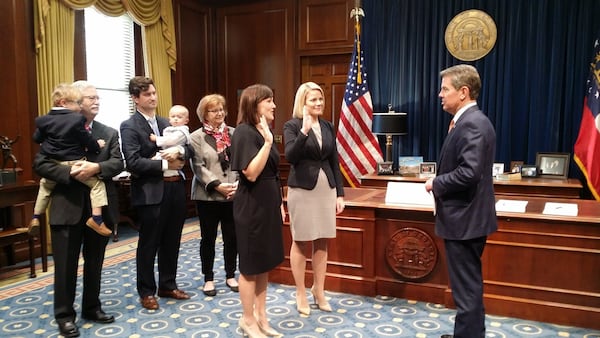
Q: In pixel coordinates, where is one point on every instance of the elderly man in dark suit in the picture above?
(160, 200)
(69, 211)
(464, 195)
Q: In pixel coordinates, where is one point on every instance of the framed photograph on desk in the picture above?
(515, 166)
(553, 164)
(427, 169)
(497, 169)
(529, 171)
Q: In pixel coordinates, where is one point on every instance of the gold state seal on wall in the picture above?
(411, 253)
(470, 35)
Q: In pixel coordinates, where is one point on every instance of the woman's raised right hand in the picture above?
(263, 128)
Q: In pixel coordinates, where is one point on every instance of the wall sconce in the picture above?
(389, 124)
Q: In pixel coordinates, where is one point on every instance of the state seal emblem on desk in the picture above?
(411, 253)
(470, 35)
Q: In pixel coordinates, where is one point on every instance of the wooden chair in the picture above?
(14, 231)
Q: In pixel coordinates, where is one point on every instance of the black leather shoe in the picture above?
(210, 293)
(68, 329)
(234, 288)
(98, 317)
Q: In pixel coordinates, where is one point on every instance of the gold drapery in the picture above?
(54, 40)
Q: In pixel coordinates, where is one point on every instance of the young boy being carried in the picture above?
(64, 137)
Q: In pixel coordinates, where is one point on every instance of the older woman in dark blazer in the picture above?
(213, 188)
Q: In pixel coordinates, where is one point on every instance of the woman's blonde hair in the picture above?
(301, 94)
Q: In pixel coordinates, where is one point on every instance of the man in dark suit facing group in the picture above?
(464, 195)
(160, 200)
(69, 211)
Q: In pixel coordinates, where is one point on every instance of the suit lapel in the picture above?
(456, 130)
(210, 141)
(162, 123)
(325, 137)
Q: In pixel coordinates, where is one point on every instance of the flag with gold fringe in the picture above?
(587, 146)
(358, 148)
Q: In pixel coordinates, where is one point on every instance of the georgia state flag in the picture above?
(587, 146)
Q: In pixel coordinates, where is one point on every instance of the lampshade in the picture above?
(390, 123)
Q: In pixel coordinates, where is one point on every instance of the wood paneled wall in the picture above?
(195, 75)
(18, 85)
(223, 46)
(280, 43)
(256, 45)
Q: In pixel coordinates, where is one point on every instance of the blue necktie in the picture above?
(154, 125)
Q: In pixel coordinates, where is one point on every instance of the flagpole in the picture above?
(358, 148)
(357, 13)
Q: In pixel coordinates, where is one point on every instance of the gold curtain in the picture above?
(55, 38)
(155, 17)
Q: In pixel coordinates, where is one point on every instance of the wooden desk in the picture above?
(20, 197)
(536, 266)
(532, 187)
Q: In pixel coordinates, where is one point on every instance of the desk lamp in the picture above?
(389, 124)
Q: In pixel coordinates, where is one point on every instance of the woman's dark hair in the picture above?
(249, 100)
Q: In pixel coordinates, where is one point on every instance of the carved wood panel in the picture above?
(330, 72)
(325, 24)
(195, 75)
(255, 44)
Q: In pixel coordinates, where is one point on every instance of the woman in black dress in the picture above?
(257, 207)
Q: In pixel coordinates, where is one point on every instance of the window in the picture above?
(110, 60)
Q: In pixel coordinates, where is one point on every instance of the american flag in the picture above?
(358, 148)
(587, 146)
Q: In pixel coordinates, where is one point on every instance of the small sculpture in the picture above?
(7, 154)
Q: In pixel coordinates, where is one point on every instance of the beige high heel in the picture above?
(269, 331)
(303, 310)
(247, 330)
(323, 306)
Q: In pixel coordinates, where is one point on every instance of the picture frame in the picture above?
(409, 165)
(427, 169)
(529, 171)
(497, 169)
(515, 166)
(385, 168)
(553, 164)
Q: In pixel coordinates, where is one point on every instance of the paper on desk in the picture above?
(511, 206)
(563, 209)
(408, 193)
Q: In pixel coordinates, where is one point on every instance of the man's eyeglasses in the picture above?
(217, 111)
(93, 98)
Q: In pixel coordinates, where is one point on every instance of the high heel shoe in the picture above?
(249, 331)
(303, 310)
(324, 305)
(269, 331)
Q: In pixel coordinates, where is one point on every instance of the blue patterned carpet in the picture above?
(27, 308)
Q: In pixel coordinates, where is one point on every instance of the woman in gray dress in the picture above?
(315, 190)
